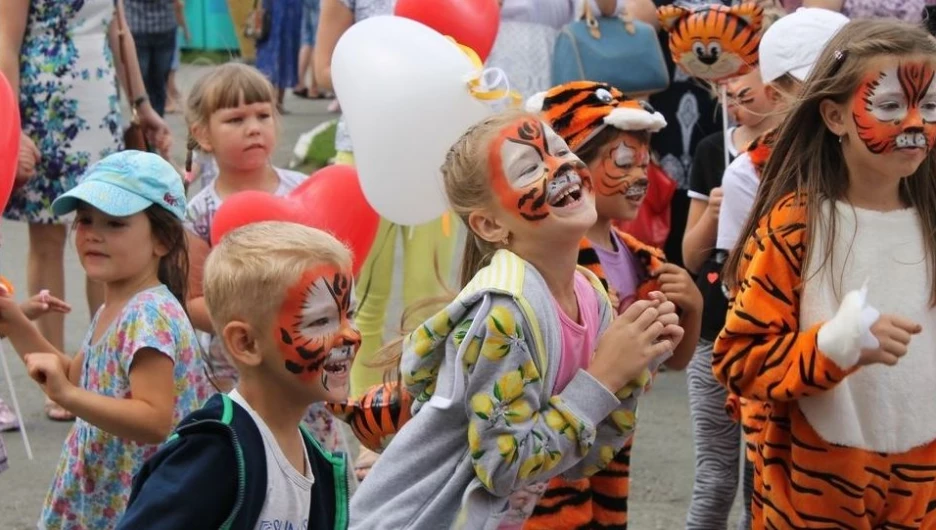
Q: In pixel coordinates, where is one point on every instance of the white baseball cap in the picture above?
(793, 43)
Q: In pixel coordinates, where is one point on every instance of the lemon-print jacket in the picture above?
(486, 422)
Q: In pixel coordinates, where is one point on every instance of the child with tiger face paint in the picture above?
(527, 373)
(279, 295)
(611, 134)
(832, 320)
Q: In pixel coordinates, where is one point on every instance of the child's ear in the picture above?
(200, 134)
(835, 116)
(487, 227)
(240, 340)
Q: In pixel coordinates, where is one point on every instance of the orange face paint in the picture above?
(314, 328)
(896, 109)
(531, 167)
(624, 167)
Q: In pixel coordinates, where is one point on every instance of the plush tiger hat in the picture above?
(579, 110)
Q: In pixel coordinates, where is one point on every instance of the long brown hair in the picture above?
(174, 266)
(806, 157)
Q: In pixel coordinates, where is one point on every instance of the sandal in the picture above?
(56, 412)
(8, 420)
(365, 461)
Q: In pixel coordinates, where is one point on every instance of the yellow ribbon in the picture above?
(477, 88)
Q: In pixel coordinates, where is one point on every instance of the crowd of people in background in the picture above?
(520, 376)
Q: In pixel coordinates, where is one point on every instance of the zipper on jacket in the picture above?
(339, 465)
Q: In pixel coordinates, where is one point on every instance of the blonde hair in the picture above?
(814, 164)
(467, 180)
(248, 272)
(224, 87)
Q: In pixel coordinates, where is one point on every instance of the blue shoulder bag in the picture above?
(620, 51)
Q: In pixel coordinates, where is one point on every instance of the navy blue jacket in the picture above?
(211, 473)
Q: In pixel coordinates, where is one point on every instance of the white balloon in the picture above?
(404, 92)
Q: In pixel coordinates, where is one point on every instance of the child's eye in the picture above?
(265, 115)
(319, 322)
(889, 105)
(116, 224)
(350, 315)
(235, 120)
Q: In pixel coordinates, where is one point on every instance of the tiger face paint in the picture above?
(895, 109)
(533, 171)
(624, 167)
(314, 329)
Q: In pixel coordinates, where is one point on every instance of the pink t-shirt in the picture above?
(578, 345)
(578, 338)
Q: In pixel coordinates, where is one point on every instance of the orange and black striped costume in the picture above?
(601, 500)
(749, 413)
(802, 481)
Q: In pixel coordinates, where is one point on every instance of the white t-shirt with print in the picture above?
(288, 492)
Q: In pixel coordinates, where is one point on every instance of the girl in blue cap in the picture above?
(138, 371)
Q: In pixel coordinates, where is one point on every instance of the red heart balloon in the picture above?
(9, 140)
(330, 200)
(333, 201)
(473, 23)
(246, 207)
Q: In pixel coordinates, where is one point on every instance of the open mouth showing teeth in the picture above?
(637, 190)
(564, 190)
(339, 362)
(911, 141)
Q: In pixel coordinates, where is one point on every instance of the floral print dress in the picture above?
(95, 472)
(68, 99)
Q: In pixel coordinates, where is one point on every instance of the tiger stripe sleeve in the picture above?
(761, 353)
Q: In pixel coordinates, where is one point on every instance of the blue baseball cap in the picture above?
(126, 183)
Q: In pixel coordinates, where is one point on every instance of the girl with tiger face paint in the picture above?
(535, 176)
(890, 125)
(832, 322)
(895, 108)
(315, 333)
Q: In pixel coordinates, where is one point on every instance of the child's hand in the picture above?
(629, 345)
(679, 288)
(43, 303)
(672, 331)
(714, 204)
(894, 334)
(47, 370)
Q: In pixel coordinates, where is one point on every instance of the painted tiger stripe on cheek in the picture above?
(522, 165)
(896, 108)
(313, 329)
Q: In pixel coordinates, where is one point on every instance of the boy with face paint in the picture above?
(280, 296)
(611, 134)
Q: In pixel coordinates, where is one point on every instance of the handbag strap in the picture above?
(121, 40)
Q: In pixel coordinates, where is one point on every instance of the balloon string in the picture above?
(484, 88)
